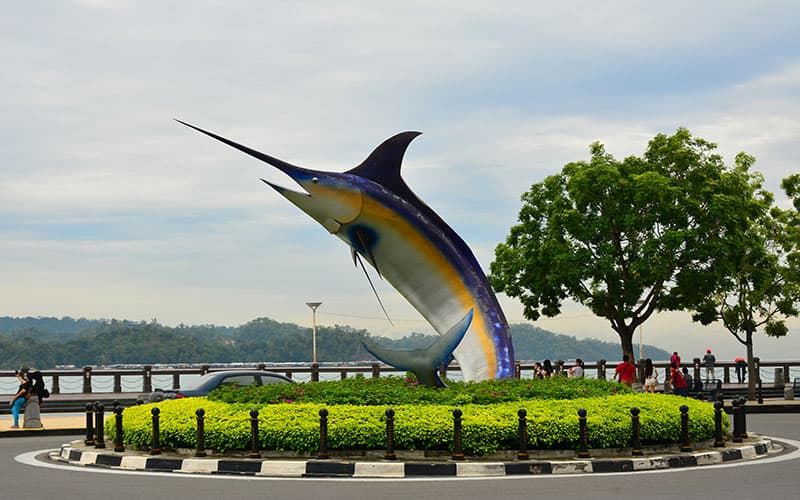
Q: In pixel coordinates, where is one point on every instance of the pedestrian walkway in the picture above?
(52, 424)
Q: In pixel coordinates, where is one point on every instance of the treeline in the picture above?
(47, 342)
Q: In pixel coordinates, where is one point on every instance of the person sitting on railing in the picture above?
(577, 370)
(17, 402)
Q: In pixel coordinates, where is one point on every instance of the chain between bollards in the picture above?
(685, 446)
(254, 453)
(323, 435)
(155, 448)
(583, 451)
(99, 410)
(522, 454)
(458, 452)
(201, 433)
(390, 454)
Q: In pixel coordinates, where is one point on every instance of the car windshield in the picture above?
(196, 383)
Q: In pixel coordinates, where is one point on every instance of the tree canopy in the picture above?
(760, 285)
(628, 238)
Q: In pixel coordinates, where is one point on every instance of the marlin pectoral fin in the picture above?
(359, 261)
(363, 240)
(424, 363)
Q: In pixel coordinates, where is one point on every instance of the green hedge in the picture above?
(552, 424)
(397, 390)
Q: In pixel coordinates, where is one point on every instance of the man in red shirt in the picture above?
(679, 385)
(625, 371)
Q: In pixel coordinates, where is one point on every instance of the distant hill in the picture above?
(45, 342)
(534, 344)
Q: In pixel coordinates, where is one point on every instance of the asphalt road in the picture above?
(744, 480)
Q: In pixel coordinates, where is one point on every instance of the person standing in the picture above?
(679, 385)
(741, 369)
(675, 359)
(650, 376)
(708, 361)
(625, 371)
(548, 368)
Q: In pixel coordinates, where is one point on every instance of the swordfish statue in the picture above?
(376, 214)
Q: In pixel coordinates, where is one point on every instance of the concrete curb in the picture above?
(389, 469)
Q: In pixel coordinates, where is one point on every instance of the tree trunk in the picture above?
(626, 337)
(752, 374)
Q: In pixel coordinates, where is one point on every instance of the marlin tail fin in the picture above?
(424, 363)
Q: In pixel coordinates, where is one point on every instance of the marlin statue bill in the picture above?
(376, 214)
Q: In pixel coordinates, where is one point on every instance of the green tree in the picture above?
(760, 287)
(627, 238)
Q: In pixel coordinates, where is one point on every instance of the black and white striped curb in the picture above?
(386, 469)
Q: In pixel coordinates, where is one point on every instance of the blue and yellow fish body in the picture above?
(374, 212)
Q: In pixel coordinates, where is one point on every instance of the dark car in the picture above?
(213, 380)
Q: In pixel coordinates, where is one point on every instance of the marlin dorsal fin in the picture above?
(383, 165)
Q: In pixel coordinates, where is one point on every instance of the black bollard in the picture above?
(458, 452)
(390, 455)
(254, 434)
(685, 446)
(583, 451)
(155, 449)
(89, 425)
(118, 446)
(522, 454)
(201, 433)
(760, 392)
(636, 442)
(323, 435)
(743, 412)
(737, 421)
(719, 441)
(99, 431)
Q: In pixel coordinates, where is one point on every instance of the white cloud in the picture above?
(109, 208)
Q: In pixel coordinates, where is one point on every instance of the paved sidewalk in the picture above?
(52, 424)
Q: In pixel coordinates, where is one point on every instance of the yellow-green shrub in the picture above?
(487, 428)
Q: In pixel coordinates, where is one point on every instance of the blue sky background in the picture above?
(110, 209)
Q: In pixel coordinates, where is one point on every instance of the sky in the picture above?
(111, 209)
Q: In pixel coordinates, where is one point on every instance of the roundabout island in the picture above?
(491, 428)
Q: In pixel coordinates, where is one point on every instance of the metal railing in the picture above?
(146, 378)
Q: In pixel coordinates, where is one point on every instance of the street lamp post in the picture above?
(314, 306)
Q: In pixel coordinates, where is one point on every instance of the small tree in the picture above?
(761, 284)
(627, 238)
